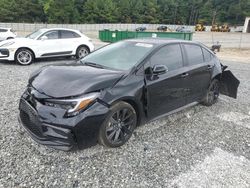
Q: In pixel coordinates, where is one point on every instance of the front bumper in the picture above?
(46, 134)
(48, 125)
(6, 54)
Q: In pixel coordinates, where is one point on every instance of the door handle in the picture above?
(183, 75)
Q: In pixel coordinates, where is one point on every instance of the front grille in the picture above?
(29, 118)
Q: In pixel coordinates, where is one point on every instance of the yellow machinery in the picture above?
(200, 27)
(215, 28)
(225, 28)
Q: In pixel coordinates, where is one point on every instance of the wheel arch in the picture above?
(134, 104)
(83, 45)
(217, 76)
(27, 49)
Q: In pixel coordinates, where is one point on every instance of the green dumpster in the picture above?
(114, 36)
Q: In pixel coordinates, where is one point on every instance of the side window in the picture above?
(52, 35)
(169, 55)
(68, 34)
(3, 30)
(207, 55)
(194, 54)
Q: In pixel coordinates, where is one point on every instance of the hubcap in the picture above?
(24, 57)
(120, 126)
(83, 52)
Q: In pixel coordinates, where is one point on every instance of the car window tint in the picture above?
(194, 54)
(3, 30)
(52, 35)
(207, 55)
(69, 34)
(169, 55)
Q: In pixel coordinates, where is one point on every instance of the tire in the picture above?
(212, 94)
(118, 125)
(81, 52)
(10, 38)
(24, 56)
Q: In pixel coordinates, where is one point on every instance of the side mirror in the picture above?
(160, 69)
(44, 38)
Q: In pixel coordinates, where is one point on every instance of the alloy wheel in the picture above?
(24, 57)
(82, 52)
(120, 126)
(213, 94)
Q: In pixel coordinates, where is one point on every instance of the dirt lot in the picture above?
(198, 147)
(232, 54)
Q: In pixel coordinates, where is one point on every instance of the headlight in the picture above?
(7, 44)
(73, 106)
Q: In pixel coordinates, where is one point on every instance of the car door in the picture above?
(49, 44)
(69, 40)
(199, 71)
(167, 91)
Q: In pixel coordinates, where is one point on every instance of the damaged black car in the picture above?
(107, 94)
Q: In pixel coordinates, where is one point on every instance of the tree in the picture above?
(61, 11)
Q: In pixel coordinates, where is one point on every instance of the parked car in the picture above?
(45, 43)
(141, 29)
(108, 93)
(6, 34)
(183, 29)
(163, 28)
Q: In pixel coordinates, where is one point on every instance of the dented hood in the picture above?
(61, 81)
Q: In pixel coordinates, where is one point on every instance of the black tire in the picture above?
(118, 126)
(212, 94)
(81, 52)
(28, 56)
(10, 38)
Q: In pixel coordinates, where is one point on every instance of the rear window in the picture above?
(207, 55)
(69, 34)
(194, 54)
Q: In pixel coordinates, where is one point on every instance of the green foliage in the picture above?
(125, 11)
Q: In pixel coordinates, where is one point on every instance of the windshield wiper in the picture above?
(93, 65)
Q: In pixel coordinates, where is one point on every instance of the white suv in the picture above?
(45, 43)
(6, 33)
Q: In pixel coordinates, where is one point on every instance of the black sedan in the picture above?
(141, 29)
(162, 28)
(108, 93)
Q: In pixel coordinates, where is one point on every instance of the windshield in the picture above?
(35, 34)
(121, 55)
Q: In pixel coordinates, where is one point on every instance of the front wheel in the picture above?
(118, 126)
(24, 57)
(81, 52)
(212, 94)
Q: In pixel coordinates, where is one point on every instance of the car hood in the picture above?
(16, 41)
(62, 81)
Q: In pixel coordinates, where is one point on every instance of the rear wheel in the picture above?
(212, 94)
(24, 57)
(118, 126)
(81, 52)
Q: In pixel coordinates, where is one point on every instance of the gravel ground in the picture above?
(198, 147)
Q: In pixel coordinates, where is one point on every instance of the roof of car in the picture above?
(8, 28)
(159, 41)
(49, 29)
